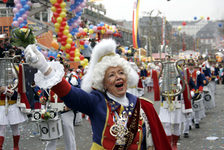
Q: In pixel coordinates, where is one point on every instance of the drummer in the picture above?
(119, 120)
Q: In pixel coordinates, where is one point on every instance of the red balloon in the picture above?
(63, 23)
(71, 58)
(59, 1)
(59, 39)
(61, 29)
(63, 43)
(99, 28)
(73, 43)
(60, 34)
(81, 42)
(57, 5)
(64, 38)
(67, 51)
(5, 1)
(72, 53)
(208, 18)
(184, 23)
(58, 10)
(81, 57)
(56, 15)
(73, 48)
(64, 19)
(53, 20)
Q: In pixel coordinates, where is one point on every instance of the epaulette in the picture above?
(143, 98)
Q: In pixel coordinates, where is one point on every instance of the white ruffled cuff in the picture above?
(56, 75)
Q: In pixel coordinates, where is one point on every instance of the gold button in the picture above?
(139, 130)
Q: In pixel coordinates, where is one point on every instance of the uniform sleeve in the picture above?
(76, 98)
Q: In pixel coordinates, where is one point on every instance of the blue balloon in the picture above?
(38, 48)
(22, 11)
(85, 46)
(23, 2)
(101, 24)
(91, 26)
(220, 24)
(18, 15)
(49, 53)
(195, 18)
(26, 7)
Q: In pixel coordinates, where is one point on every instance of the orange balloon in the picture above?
(55, 44)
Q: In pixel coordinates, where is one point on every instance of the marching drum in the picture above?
(50, 129)
(208, 99)
(197, 102)
(197, 105)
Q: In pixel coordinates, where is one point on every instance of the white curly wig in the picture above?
(103, 57)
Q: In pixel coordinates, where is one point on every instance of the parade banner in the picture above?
(5, 25)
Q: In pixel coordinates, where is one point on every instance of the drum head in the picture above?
(207, 97)
(37, 115)
(195, 106)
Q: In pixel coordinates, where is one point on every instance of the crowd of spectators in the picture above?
(6, 46)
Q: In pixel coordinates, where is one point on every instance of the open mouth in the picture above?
(119, 85)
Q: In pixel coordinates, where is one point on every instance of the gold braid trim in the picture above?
(110, 54)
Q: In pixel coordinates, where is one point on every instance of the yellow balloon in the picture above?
(66, 32)
(85, 60)
(202, 17)
(91, 31)
(69, 35)
(56, 30)
(63, 14)
(179, 28)
(82, 63)
(77, 50)
(69, 40)
(77, 54)
(103, 31)
(59, 19)
(53, 1)
(63, 5)
(82, 47)
(85, 30)
(129, 51)
(77, 59)
(68, 46)
(63, 48)
(66, 27)
(67, 56)
(53, 9)
(64, 10)
(56, 25)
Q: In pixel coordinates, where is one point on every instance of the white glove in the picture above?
(36, 59)
(192, 93)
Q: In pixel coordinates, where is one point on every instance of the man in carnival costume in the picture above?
(119, 120)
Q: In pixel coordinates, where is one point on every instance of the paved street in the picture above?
(211, 126)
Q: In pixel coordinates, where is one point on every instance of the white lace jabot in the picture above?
(121, 100)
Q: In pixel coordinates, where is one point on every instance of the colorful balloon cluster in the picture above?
(76, 8)
(62, 29)
(21, 11)
(101, 28)
(201, 18)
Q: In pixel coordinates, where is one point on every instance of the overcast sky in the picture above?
(173, 9)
